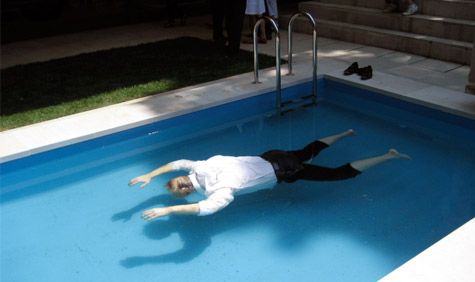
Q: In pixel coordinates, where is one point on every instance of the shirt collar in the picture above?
(195, 182)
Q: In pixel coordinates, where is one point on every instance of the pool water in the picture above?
(68, 215)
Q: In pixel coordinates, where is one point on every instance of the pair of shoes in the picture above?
(411, 10)
(353, 68)
(390, 8)
(365, 73)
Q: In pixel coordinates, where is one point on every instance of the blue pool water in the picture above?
(68, 214)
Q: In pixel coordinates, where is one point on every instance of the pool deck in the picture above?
(425, 81)
(450, 259)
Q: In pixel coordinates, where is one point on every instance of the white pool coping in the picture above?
(450, 259)
(44, 136)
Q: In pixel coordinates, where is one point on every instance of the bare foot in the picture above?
(350, 132)
(395, 154)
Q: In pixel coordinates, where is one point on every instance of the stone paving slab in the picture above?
(436, 65)
(365, 53)
(451, 81)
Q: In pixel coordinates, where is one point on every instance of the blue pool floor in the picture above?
(76, 219)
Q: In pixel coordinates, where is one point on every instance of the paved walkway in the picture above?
(440, 73)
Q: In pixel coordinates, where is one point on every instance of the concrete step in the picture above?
(456, 9)
(375, 4)
(454, 29)
(423, 45)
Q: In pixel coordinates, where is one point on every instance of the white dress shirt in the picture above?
(220, 177)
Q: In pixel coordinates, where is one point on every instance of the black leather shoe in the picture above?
(366, 73)
(353, 68)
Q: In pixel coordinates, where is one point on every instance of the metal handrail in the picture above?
(314, 48)
(277, 57)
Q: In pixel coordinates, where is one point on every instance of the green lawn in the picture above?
(42, 91)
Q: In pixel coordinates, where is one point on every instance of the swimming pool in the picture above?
(68, 214)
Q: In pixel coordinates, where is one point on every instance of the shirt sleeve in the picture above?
(183, 165)
(216, 201)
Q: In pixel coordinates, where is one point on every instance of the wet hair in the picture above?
(180, 186)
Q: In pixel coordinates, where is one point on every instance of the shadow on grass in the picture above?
(112, 76)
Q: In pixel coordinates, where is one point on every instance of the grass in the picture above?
(42, 91)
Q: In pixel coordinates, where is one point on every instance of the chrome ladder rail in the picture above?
(314, 49)
(277, 58)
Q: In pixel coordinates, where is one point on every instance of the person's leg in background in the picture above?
(272, 11)
(234, 21)
(411, 8)
(217, 13)
(254, 10)
(175, 11)
(391, 6)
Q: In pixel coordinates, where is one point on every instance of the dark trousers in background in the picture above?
(175, 11)
(232, 13)
(217, 12)
(399, 4)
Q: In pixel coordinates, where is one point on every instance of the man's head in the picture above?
(180, 186)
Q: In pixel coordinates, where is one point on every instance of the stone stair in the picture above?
(446, 33)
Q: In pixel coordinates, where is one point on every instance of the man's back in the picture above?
(236, 173)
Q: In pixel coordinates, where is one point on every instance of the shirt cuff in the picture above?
(215, 202)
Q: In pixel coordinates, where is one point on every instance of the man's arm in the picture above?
(180, 209)
(215, 202)
(146, 178)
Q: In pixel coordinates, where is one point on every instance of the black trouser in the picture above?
(398, 3)
(233, 13)
(217, 12)
(290, 166)
(174, 10)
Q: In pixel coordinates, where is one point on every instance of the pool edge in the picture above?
(25, 141)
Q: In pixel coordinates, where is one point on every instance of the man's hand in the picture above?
(145, 179)
(155, 213)
(180, 209)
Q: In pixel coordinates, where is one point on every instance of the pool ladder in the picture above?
(286, 106)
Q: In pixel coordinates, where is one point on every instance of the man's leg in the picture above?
(411, 8)
(312, 149)
(329, 140)
(217, 11)
(350, 170)
(234, 20)
(391, 6)
(362, 165)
